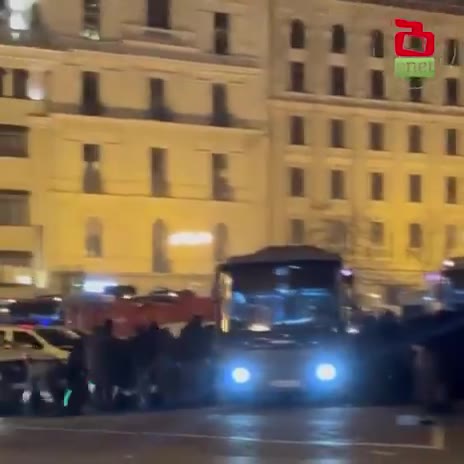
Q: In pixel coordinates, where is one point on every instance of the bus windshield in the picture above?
(267, 296)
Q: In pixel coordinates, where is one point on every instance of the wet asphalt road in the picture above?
(234, 436)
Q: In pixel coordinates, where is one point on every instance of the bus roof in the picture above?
(285, 254)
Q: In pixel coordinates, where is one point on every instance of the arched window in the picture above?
(92, 179)
(297, 34)
(159, 14)
(160, 261)
(377, 45)
(94, 238)
(221, 241)
(338, 39)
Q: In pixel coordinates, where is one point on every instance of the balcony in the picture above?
(227, 121)
(16, 109)
(18, 238)
(144, 35)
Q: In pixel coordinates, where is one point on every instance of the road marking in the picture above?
(271, 441)
(438, 437)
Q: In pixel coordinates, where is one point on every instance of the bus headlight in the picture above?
(326, 372)
(241, 375)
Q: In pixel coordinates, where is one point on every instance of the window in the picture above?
(159, 176)
(2, 82)
(297, 231)
(220, 113)
(297, 34)
(221, 189)
(452, 91)
(377, 187)
(14, 208)
(377, 85)
(93, 238)
(160, 259)
(20, 81)
(377, 233)
(16, 267)
(415, 188)
(451, 190)
(338, 81)
(415, 89)
(377, 44)
(221, 241)
(452, 52)
(451, 237)
(376, 136)
(90, 94)
(415, 235)
(297, 77)
(338, 39)
(414, 139)
(451, 141)
(297, 182)
(26, 341)
(159, 14)
(221, 33)
(92, 179)
(91, 19)
(337, 133)
(158, 108)
(13, 141)
(337, 185)
(297, 130)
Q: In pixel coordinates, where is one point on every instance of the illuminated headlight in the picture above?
(326, 372)
(26, 396)
(241, 375)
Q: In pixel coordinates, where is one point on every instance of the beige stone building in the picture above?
(141, 141)
(364, 162)
(131, 138)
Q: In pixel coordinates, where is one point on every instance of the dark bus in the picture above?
(449, 288)
(281, 322)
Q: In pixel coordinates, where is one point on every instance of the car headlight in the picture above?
(241, 375)
(326, 372)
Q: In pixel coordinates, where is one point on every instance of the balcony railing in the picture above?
(220, 120)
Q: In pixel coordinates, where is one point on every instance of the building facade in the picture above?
(363, 162)
(132, 135)
(129, 131)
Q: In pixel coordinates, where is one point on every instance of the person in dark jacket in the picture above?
(101, 364)
(192, 353)
(76, 378)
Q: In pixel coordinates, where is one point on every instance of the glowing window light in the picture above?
(98, 286)
(190, 239)
(35, 91)
(18, 21)
(20, 5)
(24, 280)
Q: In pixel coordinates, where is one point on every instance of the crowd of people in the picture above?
(420, 358)
(144, 367)
(396, 359)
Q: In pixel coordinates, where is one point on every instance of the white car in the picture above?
(37, 342)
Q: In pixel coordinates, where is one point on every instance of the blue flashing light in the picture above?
(326, 372)
(241, 375)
